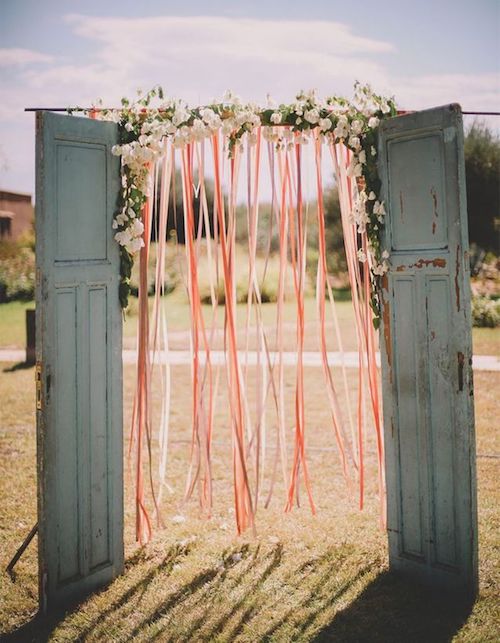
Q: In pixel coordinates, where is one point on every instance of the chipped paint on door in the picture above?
(427, 352)
(79, 403)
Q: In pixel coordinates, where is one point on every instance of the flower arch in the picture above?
(153, 130)
(336, 119)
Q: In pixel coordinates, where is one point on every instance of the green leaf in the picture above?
(123, 293)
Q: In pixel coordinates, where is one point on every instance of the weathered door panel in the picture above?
(426, 350)
(79, 416)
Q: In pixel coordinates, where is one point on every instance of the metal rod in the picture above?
(50, 109)
(21, 549)
(482, 113)
(144, 109)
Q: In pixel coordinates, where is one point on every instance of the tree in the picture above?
(175, 223)
(334, 236)
(482, 170)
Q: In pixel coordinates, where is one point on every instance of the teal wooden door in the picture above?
(79, 367)
(426, 351)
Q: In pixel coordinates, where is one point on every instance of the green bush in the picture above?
(172, 278)
(485, 312)
(482, 163)
(17, 272)
(268, 283)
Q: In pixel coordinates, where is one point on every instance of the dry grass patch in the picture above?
(301, 578)
(486, 341)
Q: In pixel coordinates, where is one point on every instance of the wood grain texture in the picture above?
(427, 351)
(79, 341)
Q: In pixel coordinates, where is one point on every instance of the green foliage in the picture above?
(335, 253)
(267, 275)
(124, 289)
(17, 271)
(268, 234)
(172, 275)
(485, 312)
(482, 169)
(144, 128)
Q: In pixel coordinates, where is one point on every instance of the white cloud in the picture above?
(236, 36)
(197, 58)
(18, 57)
(472, 91)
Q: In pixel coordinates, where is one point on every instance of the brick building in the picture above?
(16, 214)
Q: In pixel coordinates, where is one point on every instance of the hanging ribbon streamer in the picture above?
(210, 235)
(242, 495)
(356, 246)
(141, 412)
(298, 260)
(343, 442)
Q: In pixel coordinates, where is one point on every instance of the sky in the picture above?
(56, 53)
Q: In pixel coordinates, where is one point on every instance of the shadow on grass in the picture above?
(393, 609)
(20, 366)
(41, 626)
(205, 585)
(224, 601)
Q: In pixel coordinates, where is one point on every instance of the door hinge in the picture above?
(38, 382)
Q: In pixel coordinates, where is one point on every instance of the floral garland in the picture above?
(144, 127)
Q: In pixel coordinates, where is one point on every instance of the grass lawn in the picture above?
(13, 324)
(302, 578)
(486, 341)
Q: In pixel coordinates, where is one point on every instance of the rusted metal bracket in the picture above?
(38, 381)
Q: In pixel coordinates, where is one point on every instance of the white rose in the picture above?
(137, 228)
(354, 142)
(207, 114)
(135, 244)
(325, 124)
(355, 169)
(373, 121)
(276, 118)
(121, 218)
(227, 127)
(356, 127)
(312, 116)
(180, 116)
(124, 237)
